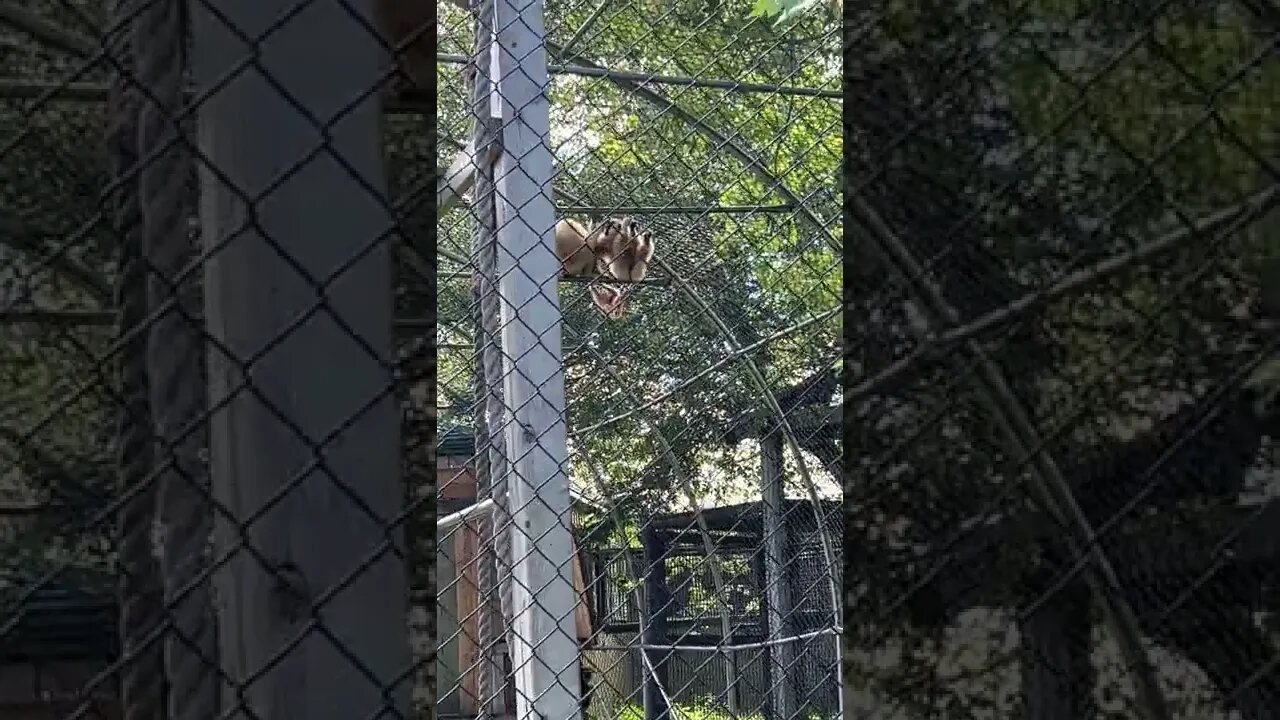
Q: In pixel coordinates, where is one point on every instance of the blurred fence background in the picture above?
(203, 505)
(1059, 500)
(183, 337)
(1058, 408)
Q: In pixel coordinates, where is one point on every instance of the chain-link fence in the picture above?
(211, 505)
(1061, 360)
(699, 146)
(216, 294)
(201, 413)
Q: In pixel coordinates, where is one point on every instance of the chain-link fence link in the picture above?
(1060, 403)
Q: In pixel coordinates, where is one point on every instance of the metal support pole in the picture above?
(653, 624)
(544, 644)
(298, 301)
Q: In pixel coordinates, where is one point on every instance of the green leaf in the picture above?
(766, 8)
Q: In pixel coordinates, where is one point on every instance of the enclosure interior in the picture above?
(728, 346)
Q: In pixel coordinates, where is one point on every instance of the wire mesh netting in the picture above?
(206, 512)
(1060, 404)
(201, 485)
(245, 470)
(702, 438)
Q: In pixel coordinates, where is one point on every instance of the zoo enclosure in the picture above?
(80, 264)
(703, 315)
(686, 645)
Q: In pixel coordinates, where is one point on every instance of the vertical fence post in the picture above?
(544, 647)
(653, 624)
(305, 439)
(777, 618)
(760, 580)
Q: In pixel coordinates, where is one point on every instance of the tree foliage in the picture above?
(759, 273)
(1009, 144)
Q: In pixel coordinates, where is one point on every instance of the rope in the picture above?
(489, 685)
(139, 601)
(495, 421)
(175, 356)
(490, 671)
(495, 536)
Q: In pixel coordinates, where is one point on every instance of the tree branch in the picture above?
(1049, 487)
(1220, 222)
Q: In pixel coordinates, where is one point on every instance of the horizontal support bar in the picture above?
(726, 648)
(97, 92)
(106, 318)
(645, 78)
(674, 209)
(614, 281)
(409, 102)
(449, 521)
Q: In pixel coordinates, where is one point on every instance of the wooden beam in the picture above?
(467, 544)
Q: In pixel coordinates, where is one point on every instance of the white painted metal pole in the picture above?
(544, 652)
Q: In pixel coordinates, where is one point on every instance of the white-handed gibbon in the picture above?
(612, 248)
(629, 252)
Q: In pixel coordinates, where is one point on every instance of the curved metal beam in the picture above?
(754, 164)
(771, 401)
